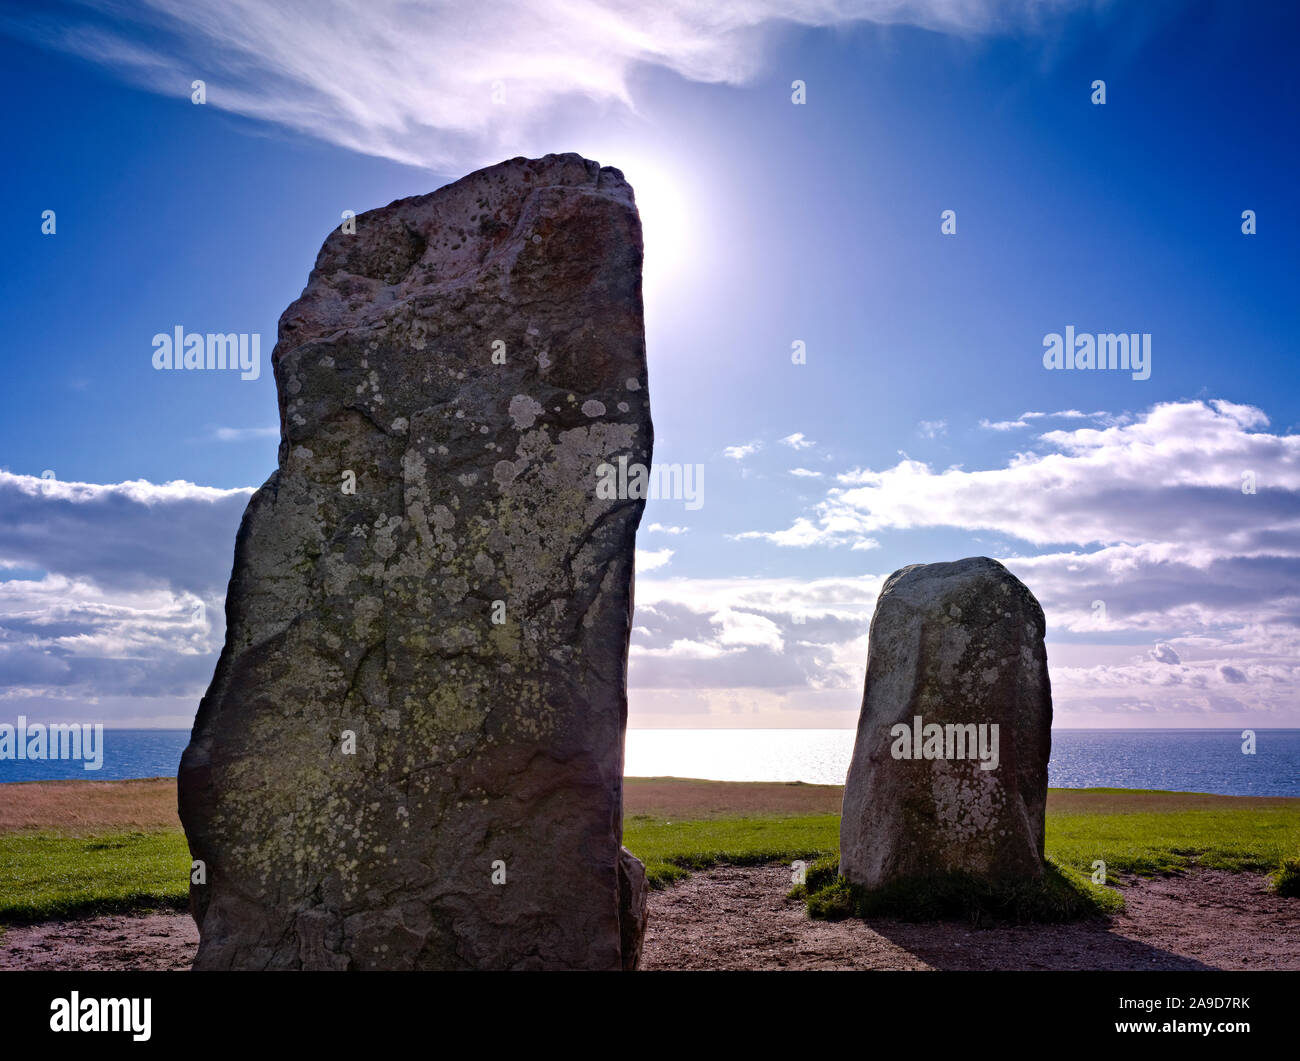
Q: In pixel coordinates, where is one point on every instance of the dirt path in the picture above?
(739, 918)
(165, 941)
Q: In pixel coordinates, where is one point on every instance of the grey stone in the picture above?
(480, 747)
(957, 645)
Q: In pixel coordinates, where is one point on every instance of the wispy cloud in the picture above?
(457, 83)
(739, 453)
(798, 441)
(1064, 414)
(244, 434)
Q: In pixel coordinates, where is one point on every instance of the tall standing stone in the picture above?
(953, 647)
(411, 752)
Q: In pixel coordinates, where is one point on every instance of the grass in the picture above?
(146, 804)
(1286, 881)
(671, 849)
(69, 848)
(1062, 895)
(45, 874)
(1133, 832)
(1159, 844)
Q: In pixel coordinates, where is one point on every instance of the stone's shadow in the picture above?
(1081, 945)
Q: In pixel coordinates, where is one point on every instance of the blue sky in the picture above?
(923, 426)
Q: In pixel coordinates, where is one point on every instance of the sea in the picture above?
(1174, 760)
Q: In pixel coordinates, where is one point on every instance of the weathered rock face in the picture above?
(411, 753)
(958, 646)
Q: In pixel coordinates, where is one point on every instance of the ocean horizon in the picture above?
(1175, 760)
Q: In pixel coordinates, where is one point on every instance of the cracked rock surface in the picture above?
(422, 691)
(961, 645)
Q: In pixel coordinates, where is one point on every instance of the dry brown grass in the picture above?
(685, 798)
(89, 806)
(1094, 801)
(675, 797)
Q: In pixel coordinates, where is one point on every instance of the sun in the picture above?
(668, 223)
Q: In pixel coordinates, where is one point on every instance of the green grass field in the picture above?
(46, 874)
(59, 865)
(670, 850)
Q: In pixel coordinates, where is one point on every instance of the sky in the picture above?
(858, 388)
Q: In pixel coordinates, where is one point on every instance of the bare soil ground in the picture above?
(739, 918)
(157, 941)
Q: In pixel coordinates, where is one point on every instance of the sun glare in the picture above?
(667, 223)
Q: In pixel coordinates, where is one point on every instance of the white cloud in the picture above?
(1163, 653)
(456, 83)
(112, 608)
(1158, 532)
(789, 639)
(798, 441)
(804, 643)
(663, 528)
(123, 637)
(1157, 587)
(1064, 414)
(100, 604)
(738, 453)
(19, 488)
(747, 629)
(648, 560)
(1173, 474)
(803, 532)
(680, 649)
(134, 533)
(243, 434)
(804, 473)
(932, 428)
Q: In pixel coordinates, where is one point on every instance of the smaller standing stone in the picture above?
(949, 770)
